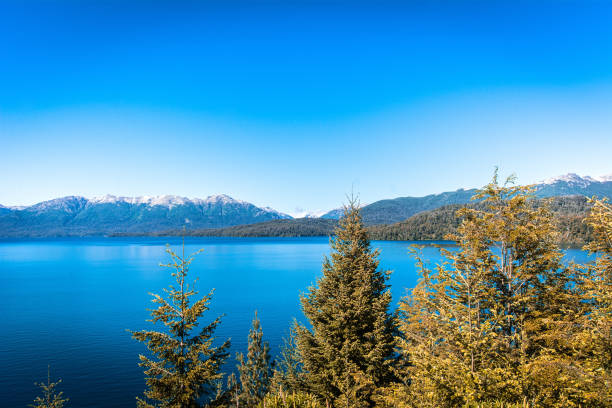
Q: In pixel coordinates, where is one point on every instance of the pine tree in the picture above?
(287, 376)
(186, 365)
(256, 370)
(50, 398)
(350, 349)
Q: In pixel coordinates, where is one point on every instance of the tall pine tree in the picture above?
(349, 349)
(185, 364)
(256, 370)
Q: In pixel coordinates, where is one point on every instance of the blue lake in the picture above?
(69, 302)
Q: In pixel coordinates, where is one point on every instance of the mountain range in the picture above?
(76, 216)
(399, 209)
(111, 215)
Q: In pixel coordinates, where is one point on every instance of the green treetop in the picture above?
(184, 365)
(256, 370)
(50, 398)
(350, 349)
(288, 371)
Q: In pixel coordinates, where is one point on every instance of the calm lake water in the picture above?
(69, 302)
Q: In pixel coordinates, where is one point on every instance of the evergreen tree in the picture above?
(256, 370)
(186, 365)
(287, 375)
(50, 398)
(350, 349)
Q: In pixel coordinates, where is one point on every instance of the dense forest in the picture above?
(568, 214)
(301, 227)
(502, 322)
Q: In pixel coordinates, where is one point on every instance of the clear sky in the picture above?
(291, 104)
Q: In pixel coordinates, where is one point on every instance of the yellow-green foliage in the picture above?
(51, 398)
(498, 321)
(500, 404)
(593, 344)
(501, 323)
(282, 399)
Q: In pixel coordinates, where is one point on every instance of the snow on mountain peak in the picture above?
(603, 179)
(73, 204)
(567, 178)
(301, 213)
(162, 200)
(223, 198)
(275, 212)
(104, 199)
(68, 203)
(573, 178)
(167, 200)
(171, 200)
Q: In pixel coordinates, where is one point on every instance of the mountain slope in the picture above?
(573, 184)
(109, 214)
(568, 212)
(399, 209)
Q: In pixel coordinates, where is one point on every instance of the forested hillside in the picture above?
(568, 214)
(399, 209)
(301, 227)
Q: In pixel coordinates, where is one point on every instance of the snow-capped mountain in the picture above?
(575, 179)
(573, 184)
(398, 209)
(108, 214)
(301, 213)
(166, 200)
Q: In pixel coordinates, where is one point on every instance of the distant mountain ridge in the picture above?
(74, 215)
(111, 215)
(399, 209)
(573, 184)
(568, 215)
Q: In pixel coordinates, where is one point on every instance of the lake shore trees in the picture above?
(500, 319)
(347, 351)
(183, 365)
(255, 371)
(503, 321)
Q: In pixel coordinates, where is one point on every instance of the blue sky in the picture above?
(291, 104)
